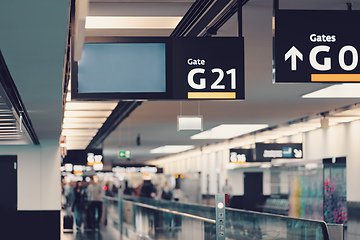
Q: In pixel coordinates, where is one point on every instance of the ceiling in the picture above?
(33, 42)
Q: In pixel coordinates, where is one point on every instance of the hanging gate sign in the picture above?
(316, 46)
(160, 69)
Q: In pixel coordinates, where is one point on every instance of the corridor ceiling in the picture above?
(33, 36)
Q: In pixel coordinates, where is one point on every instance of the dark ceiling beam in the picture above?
(226, 16)
(203, 24)
(205, 18)
(15, 101)
(119, 114)
(191, 17)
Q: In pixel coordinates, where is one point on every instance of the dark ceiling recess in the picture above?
(122, 111)
(14, 99)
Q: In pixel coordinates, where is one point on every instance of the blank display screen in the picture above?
(122, 68)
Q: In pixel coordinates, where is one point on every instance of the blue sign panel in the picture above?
(122, 68)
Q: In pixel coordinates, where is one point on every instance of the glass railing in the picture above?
(144, 218)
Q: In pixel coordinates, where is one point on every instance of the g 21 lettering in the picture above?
(216, 84)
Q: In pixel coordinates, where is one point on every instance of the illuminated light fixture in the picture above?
(68, 97)
(98, 167)
(87, 113)
(77, 132)
(102, 22)
(305, 126)
(90, 105)
(227, 131)
(345, 90)
(190, 123)
(333, 120)
(79, 138)
(76, 147)
(82, 125)
(68, 167)
(84, 120)
(72, 142)
(172, 149)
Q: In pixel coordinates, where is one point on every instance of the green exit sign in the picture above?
(124, 154)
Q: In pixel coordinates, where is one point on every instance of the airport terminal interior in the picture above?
(180, 119)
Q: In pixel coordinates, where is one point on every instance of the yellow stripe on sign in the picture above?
(211, 95)
(335, 77)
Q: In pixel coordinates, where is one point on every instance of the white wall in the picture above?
(38, 173)
(284, 182)
(236, 179)
(341, 140)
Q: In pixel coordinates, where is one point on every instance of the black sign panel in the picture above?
(80, 157)
(160, 68)
(316, 46)
(208, 68)
(266, 152)
(238, 155)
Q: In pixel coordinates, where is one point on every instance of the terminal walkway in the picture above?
(108, 232)
(149, 219)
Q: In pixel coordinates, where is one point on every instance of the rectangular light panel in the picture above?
(102, 22)
(171, 149)
(190, 123)
(227, 131)
(345, 90)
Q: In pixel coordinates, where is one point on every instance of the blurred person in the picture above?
(68, 194)
(95, 194)
(178, 194)
(79, 204)
(107, 189)
(148, 190)
(227, 190)
(114, 190)
(166, 193)
(158, 190)
(128, 190)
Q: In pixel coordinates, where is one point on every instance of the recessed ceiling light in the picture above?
(81, 125)
(77, 132)
(345, 90)
(172, 148)
(87, 114)
(84, 120)
(102, 22)
(227, 131)
(90, 105)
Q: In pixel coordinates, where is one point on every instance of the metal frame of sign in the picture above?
(118, 95)
(325, 52)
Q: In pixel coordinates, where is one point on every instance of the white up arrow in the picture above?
(293, 53)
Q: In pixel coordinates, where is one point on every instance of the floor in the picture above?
(108, 232)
